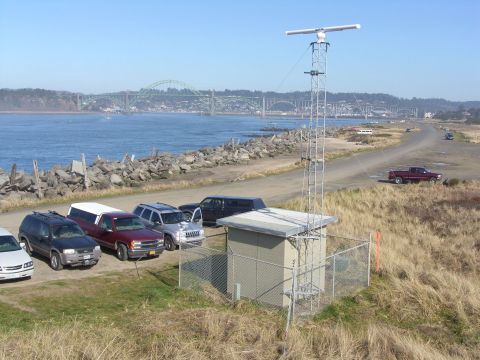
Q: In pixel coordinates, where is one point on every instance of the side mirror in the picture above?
(23, 246)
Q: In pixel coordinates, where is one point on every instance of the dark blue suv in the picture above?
(217, 207)
(59, 239)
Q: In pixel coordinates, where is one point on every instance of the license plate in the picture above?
(85, 257)
(151, 252)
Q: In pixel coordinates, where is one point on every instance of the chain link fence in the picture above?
(339, 275)
(302, 290)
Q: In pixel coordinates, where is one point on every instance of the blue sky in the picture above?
(405, 48)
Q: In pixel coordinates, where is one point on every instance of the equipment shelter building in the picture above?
(263, 244)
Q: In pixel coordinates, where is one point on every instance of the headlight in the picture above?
(28, 264)
(202, 232)
(136, 243)
(160, 241)
(69, 251)
(97, 248)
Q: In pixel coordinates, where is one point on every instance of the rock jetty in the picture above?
(105, 174)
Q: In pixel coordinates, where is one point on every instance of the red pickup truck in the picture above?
(413, 174)
(118, 230)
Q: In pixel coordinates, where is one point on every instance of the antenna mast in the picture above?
(306, 286)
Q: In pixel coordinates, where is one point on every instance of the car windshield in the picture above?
(173, 217)
(67, 231)
(129, 223)
(8, 243)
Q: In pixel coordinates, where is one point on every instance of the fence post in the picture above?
(233, 276)
(333, 278)
(13, 174)
(368, 268)
(179, 264)
(37, 179)
(294, 289)
(378, 236)
(86, 181)
(291, 305)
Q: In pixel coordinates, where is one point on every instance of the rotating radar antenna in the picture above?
(313, 155)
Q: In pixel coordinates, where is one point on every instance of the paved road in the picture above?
(425, 147)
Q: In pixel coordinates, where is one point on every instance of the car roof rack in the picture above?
(161, 206)
(48, 214)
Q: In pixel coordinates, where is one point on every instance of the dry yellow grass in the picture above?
(424, 304)
(382, 136)
(465, 132)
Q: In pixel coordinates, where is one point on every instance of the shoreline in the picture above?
(258, 157)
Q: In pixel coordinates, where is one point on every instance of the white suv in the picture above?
(15, 263)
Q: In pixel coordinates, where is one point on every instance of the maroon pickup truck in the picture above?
(413, 174)
(118, 230)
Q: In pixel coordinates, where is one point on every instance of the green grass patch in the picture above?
(106, 298)
(459, 136)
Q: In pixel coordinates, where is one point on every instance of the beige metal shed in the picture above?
(263, 244)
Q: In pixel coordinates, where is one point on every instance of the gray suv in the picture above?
(172, 222)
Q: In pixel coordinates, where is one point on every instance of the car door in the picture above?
(413, 174)
(208, 209)
(145, 217)
(155, 222)
(44, 239)
(32, 231)
(197, 217)
(105, 235)
(229, 206)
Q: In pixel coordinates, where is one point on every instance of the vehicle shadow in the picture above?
(13, 281)
(114, 254)
(66, 267)
(385, 181)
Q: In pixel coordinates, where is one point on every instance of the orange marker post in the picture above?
(378, 236)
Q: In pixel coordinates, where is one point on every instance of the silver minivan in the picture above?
(172, 222)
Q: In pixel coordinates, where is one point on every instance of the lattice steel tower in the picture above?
(311, 244)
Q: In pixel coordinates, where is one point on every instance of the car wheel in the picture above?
(56, 261)
(122, 252)
(398, 180)
(433, 181)
(169, 244)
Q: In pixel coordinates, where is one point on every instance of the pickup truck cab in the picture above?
(117, 230)
(173, 223)
(413, 174)
(217, 207)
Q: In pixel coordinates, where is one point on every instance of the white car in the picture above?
(15, 263)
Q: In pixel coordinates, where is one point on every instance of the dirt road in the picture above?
(425, 147)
